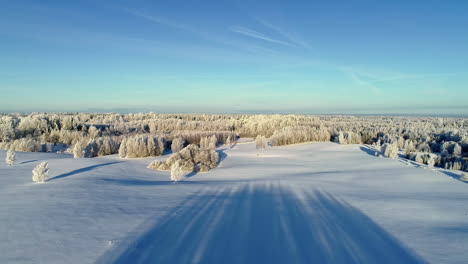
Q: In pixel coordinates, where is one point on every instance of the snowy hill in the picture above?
(321, 203)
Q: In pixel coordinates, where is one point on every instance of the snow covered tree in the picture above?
(464, 176)
(457, 150)
(177, 144)
(390, 150)
(260, 142)
(10, 157)
(341, 138)
(123, 148)
(177, 173)
(40, 172)
(78, 150)
(409, 147)
(91, 149)
(431, 161)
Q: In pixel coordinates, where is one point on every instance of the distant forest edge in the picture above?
(434, 141)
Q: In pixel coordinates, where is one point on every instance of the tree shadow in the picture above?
(369, 150)
(143, 182)
(85, 169)
(261, 224)
(222, 155)
(28, 161)
(453, 175)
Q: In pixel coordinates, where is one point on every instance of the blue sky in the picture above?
(350, 57)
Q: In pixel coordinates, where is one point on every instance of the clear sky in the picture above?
(350, 57)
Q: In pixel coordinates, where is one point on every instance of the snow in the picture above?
(317, 202)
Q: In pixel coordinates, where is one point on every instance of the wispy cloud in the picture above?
(360, 80)
(257, 35)
(287, 35)
(163, 21)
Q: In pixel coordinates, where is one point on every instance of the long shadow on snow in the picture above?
(143, 182)
(89, 168)
(262, 224)
(368, 150)
(28, 161)
(453, 175)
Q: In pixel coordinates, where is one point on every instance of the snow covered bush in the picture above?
(10, 157)
(40, 172)
(390, 150)
(177, 172)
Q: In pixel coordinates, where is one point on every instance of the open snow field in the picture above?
(308, 203)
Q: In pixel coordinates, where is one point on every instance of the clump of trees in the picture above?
(190, 159)
(40, 172)
(141, 146)
(294, 135)
(91, 148)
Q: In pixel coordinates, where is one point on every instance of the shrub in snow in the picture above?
(390, 150)
(177, 172)
(10, 157)
(41, 172)
(177, 144)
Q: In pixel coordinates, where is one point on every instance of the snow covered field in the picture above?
(307, 203)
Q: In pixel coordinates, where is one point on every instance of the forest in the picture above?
(441, 142)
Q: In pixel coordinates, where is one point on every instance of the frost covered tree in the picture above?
(177, 144)
(409, 147)
(464, 176)
(177, 172)
(123, 148)
(457, 150)
(341, 138)
(40, 172)
(390, 150)
(10, 157)
(78, 150)
(431, 161)
(260, 143)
